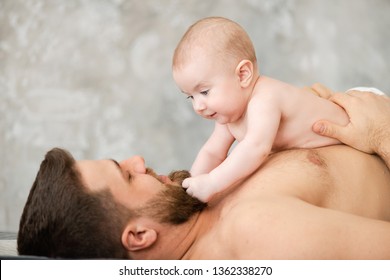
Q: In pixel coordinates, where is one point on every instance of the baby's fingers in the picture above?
(186, 183)
(190, 192)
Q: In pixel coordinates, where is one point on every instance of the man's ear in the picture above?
(244, 72)
(137, 237)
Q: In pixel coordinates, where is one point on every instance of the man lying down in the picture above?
(326, 203)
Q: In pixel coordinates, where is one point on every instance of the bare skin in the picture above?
(274, 116)
(326, 203)
(369, 127)
(262, 114)
(283, 211)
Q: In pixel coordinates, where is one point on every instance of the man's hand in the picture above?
(369, 113)
(320, 90)
(201, 187)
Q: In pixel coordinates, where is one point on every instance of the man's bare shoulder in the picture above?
(262, 229)
(290, 228)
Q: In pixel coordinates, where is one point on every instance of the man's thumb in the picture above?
(326, 128)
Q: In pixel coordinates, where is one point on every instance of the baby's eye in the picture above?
(190, 97)
(204, 92)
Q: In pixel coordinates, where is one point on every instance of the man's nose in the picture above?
(134, 164)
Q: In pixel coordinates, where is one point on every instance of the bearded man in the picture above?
(326, 203)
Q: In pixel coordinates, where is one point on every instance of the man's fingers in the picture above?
(322, 91)
(328, 129)
(341, 99)
(311, 90)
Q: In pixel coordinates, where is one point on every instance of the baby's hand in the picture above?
(200, 187)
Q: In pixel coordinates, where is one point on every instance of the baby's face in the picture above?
(213, 88)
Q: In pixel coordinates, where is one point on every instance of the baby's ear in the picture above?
(244, 72)
(137, 237)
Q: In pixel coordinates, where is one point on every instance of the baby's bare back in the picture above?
(300, 109)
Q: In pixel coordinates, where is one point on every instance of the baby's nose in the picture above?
(199, 105)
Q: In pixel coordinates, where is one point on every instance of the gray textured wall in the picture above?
(94, 76)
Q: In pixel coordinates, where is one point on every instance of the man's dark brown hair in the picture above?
(64, 219)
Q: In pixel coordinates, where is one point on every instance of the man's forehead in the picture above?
(96, 174)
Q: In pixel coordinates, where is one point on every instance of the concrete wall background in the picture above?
(94, 76)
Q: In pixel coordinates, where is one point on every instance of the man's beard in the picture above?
(172, 205)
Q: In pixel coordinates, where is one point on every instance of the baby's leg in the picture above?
(369, 89)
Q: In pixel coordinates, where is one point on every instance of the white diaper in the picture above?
(370, 89)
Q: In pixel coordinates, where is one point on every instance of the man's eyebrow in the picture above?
(117, 165)
(120, 169)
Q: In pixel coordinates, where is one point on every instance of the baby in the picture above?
(215, 65)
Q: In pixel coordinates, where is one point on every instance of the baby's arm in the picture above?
(246, 157)
(214, 151)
